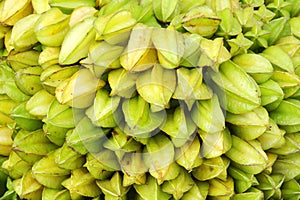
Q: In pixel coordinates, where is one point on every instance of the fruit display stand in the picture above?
(149, 99)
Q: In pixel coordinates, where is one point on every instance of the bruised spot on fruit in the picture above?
(114, 133)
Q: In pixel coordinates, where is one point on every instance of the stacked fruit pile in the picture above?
(150, 99)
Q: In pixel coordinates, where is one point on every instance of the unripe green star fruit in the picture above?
(121, 143)
(48, 57)
(179, 126)
(290, 146)
(178, 186)
(55, 134)
(278, 27)
(139, 54)
(85, 137)
(280, 8)
(230, 25)
(273, 137)
(286, 80)
(295, 94)
(247, 155)
(142, 12)
(8, 43)
(215, 144)
(190, 86)
(32, 145)
(201, 20)
(134, 169)
(263, 14)
(67, 158)
(279, 58)
(8, 88)
(221, 188)
(256, 65)
(199, 191)
(270, 184)
(290, 91)
(139, 118)
(81, 13)
(27, 187)
(210, 168)
(239, 98)
(22, 35)
(15, 166)
(113, 188)
(271, 160)
(48, 173)
(294, 22)
(291, 128)
(122, 83)
(77, 41)
(159, 157)
(24, 119)
(68, 6)
(159, 145)
(287, 113)
(51, 28)
(165, 10)
(243, 181)
(13, 11)
(56, 194)
(257, 195)
(7, 75)
(213, 53)
(109, 6)
(115, 27)
(157, 86)
(38, 105)
(104, 111)
(244, 16)
(293, 8)
(40, 6)
(20, 60)
(224, 173)
(101, 165)
(208, 115)
(14, 93)
(130, 180)
(6, 106)
(6, 140)
(250, 125)
(60, 115)
(188, 155)
(54, 75)
(216, 5)
(169, 45)
(28, 80)
(79, 90)
(102, 57)
(151, 190)
(290, 189)
(271, 94)
(82, 183)
(287, 165)
(186, 4)
(175, 23)
(289, 44)
(192, 50)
